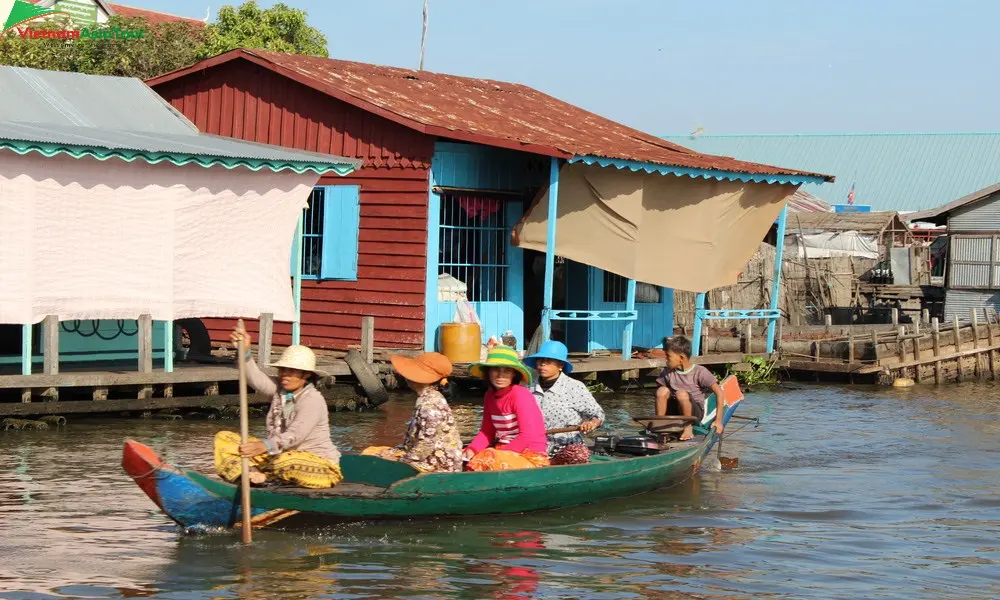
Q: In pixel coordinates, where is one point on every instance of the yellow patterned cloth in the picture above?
(390, 453)
(296, 467)
(493, 459)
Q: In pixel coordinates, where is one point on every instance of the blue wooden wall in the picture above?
(655, 321)
(483, 168)
(97, 340)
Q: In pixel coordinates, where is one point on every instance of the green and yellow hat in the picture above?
(501, 356)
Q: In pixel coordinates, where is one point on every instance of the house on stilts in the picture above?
(451, 167)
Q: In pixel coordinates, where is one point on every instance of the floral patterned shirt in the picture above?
(432, 442)
(566, 403)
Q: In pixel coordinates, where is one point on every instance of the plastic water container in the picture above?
(461, 342)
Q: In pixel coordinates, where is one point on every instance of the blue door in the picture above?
(474, 252)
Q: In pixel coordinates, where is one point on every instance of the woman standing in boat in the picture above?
(298, 449)
(512, 435)
(432, 443)
(565, 402)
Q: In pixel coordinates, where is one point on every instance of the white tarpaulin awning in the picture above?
(824, 244)
(677, 232)
(86, 239)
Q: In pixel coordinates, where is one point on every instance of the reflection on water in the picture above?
(842, 492)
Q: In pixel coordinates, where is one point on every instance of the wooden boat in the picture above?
(374, 488)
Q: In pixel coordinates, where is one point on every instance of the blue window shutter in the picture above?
(341, 220)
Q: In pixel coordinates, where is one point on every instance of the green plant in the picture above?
(598, 388)
(761, 371)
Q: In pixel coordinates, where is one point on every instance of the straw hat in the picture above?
(301, 358)
(429, 367)
(501, 356)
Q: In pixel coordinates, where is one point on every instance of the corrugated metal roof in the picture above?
(54, 112)
(940, 214)
(153, 16)
(893, 171)
(803, 201)
(99, 101)
(873, 222)
(483, 111)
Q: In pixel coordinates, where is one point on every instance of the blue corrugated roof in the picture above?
(890, 171)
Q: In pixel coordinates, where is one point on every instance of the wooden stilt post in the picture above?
(145, 353)
(747, 338)
(827, 321)
(368, 339)
(936, 338)
(901, 344)
(875, 346)
(975, 340)
(50, 353)
(991, 340)
(850, 345)
(265, 339)
(777, 336)
(925, 316)
(916, 354)
(895, 317)
(958, 346)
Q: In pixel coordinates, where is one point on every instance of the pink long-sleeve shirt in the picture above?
(512, 422)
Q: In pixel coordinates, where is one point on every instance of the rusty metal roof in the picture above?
(483, 111)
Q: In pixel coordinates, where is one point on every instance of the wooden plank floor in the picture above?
(109, 375)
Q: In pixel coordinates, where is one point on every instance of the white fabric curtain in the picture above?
(90, 239)
(824, 244)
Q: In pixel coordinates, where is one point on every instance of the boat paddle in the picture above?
(244, 436)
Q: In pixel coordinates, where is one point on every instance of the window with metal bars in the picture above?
(473, 246)
(312, 235)
(616, 289)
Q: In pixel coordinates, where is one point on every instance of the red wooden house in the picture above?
(449, 164)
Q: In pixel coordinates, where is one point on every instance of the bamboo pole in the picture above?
(990, 341)
(244, 436)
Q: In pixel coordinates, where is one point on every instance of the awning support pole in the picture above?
(26, 344)
(168, 346)
(297, 280)
(779, 247)
(699, 305)
(550, 248)
(630, 324)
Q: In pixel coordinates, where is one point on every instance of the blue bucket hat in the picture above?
(551, 349)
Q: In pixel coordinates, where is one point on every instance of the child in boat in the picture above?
(512, 435)
(432, 443)
(687, 385)
(298, 449)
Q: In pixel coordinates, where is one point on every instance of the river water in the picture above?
(839, 493)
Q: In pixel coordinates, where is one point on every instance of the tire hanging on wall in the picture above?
(370, 383)
(201, 342)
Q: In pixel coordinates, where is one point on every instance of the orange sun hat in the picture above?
(429, 367)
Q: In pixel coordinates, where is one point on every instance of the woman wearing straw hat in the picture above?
(432, 443)
(565, 402)
(512, 435)
(298, 449)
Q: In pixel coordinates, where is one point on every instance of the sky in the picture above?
(671, 67)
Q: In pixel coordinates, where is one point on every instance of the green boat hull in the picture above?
(378, 489)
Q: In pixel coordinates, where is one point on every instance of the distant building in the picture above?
(899, 172)
(972, 273)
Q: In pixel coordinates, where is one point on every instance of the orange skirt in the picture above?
(493, 459)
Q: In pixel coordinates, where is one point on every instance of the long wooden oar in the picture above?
(244, 437)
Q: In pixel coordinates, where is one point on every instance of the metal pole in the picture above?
(26, 349)
(550, 248)
(297, 280)
(779, 248)
(423, 39)
(168, 346)
(699, 305)
(627, 335)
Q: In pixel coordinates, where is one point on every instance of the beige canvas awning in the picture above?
(677, 232)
